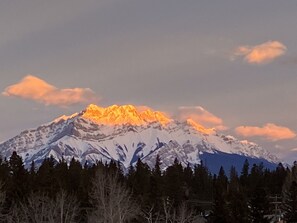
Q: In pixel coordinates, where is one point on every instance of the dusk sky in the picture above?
(228, 64)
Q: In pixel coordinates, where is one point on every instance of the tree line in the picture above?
(106, 192)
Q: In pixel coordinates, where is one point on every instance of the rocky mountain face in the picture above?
(126, 133)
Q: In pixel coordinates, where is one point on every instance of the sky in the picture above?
(227, 64)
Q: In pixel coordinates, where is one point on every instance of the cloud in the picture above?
(201, 116)
(269, 131)
(36, 89)
(261, 54)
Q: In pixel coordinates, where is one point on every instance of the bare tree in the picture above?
(167, 210)
(67, 208)
(16, 215)
(150, 216)
(181, 214)
(112, 201)
(40, 208)
(2, 201)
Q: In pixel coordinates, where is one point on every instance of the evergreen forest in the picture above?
(105, 192)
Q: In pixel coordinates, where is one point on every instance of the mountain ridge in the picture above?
(126, 133)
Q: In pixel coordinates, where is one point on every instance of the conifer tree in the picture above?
(32, 178)
(61, 174)
(278, 179)
(4, 170)
(259, 206)
(188, 175)
(74, 176)
(45, 177)
(221, 212)
(237, 201)
(141, 181)
(156, 186)
(290, 203)
(175, 187)
(202, 183)
(18, 187)
(244, 174)
(130, 176)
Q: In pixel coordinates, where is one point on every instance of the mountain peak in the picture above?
(199, 127)
(93, 107)
(123, 114)
(74, 136)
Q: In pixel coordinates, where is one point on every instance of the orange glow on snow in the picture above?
(199, 127)
(125, 114)
(200, 115)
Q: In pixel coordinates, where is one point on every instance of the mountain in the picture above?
(126, 133)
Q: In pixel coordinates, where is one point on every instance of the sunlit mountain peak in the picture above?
(123, 114)
(199, 127)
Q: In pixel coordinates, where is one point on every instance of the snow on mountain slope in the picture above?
(124, 133)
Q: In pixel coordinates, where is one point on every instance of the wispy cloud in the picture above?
(262, 53)
(201, 116)
(34, 88)
(269, 131)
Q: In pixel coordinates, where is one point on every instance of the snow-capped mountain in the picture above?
(126, 133)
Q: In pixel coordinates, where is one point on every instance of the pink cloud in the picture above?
(34, 88)
(262, 53)
(269, 131)
(201, 116)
